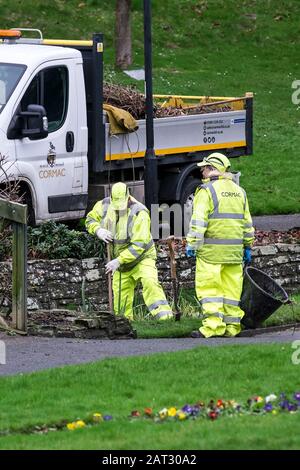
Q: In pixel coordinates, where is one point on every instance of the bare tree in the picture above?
(123, 34)
(10, 191)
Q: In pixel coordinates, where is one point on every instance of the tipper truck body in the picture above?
(57, 143)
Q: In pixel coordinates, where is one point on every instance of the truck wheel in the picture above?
(186, 200)
(26, 199)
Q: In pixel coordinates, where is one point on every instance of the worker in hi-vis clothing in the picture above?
(124, 223)
(220, 236)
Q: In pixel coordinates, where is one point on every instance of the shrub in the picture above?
(55, 241)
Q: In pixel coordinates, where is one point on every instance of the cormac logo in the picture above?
(230, 194)
(52, 173)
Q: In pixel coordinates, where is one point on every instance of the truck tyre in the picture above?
(186, 200)
(27, 199)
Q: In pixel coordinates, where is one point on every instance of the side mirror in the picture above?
(32, 123)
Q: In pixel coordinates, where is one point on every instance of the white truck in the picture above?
(56, 139)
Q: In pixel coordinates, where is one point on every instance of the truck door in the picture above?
(55, 163)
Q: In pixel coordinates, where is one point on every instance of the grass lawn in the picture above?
(118, 386)
(146, 327)
(215, 47)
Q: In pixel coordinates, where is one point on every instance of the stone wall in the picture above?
(71, 283)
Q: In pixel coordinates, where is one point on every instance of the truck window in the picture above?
(10, 75)
(50, 89)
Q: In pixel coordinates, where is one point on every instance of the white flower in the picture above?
(271, 398)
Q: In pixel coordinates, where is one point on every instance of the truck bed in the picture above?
(181, 135)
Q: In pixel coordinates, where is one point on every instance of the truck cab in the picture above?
(51, 166)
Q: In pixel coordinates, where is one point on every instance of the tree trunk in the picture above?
(123, 34)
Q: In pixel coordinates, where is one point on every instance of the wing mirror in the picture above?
(32, 123)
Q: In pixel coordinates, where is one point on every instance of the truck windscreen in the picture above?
(10, 75)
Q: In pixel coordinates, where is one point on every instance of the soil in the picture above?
(270, 237)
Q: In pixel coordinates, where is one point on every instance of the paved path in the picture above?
(277, 222)
(27, 354)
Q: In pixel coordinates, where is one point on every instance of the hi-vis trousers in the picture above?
(219, 289)
(124, 284)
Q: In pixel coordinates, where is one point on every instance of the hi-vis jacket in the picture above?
(221, 224)
(132, 232)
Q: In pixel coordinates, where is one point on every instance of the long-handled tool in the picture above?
(110, 291)
(175, 283)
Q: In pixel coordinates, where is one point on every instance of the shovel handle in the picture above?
(110, 294)
(170, 242)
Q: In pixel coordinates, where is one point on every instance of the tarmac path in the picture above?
(31, 353)
(277, 222)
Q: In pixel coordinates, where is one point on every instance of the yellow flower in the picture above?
(172, 411)
(97, 417)
(71, 426)
(181, 415)
(274, 412)
(79, 424)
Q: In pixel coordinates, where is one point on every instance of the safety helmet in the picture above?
(217, 160)
(119, 196)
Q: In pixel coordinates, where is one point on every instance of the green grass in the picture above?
(168, 329)
(118, 386)
(286, 314)
(200, 47)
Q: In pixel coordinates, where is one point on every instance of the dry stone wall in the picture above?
(73, 284)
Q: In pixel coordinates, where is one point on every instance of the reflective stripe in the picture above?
(134, 210)
(226, 215)
(216, 214)
(193, 234)
(249, 234)
(215, 314)
(208, 300)
(140, 244)
(232, 319)
(105, 205)
(133, 252)
(138, 256)
(149, 244)
(121, 242)
(248, 225)
(199, 223)
(146, 246)
(231, 302)
(157, 304)
(166, 313)
(245, 198)
(214, 198)
(90, 220)
(223, 241)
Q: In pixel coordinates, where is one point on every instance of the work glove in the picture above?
(112, 266)
(247, 255)
(104, 235)
(190, 252)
